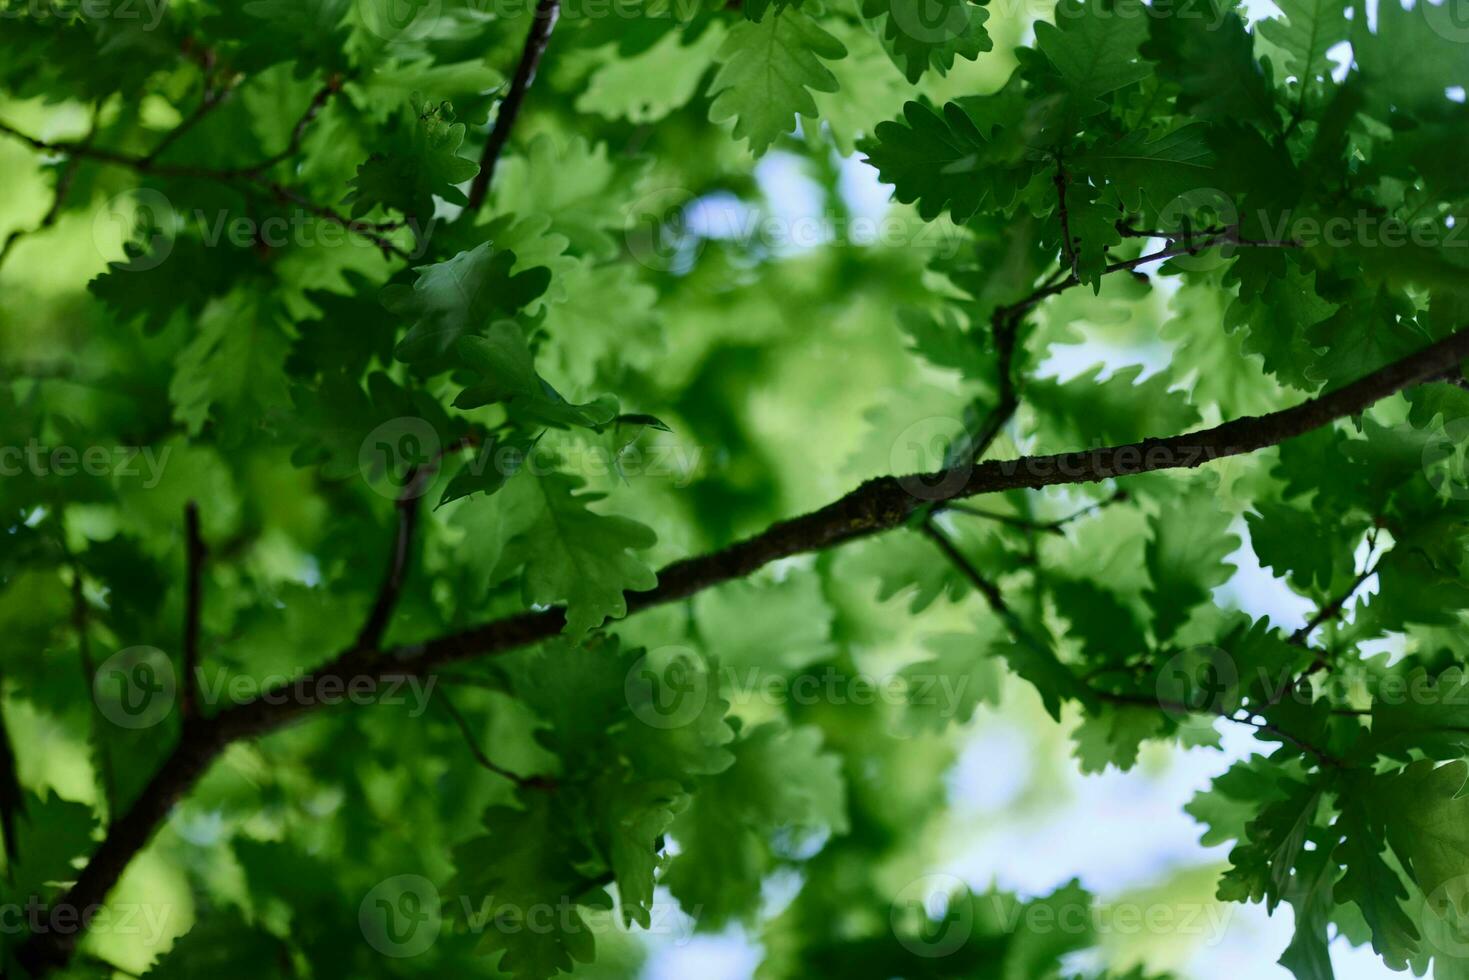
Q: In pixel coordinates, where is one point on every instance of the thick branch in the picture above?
(878, 505)
(544, 20)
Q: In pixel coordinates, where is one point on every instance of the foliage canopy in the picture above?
(427, 442)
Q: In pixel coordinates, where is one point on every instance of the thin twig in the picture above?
(213, 98)
(193, 607)
(1068, 250)
(542, 23)
(245, 179)
(1189, 247)
(298, 132)
(81, 622)
(12, 796)
(372, 631)
(991, 592)
(64, 179)
(1046, 527)
(1150, 701)
(1334, 608)
(527, 782)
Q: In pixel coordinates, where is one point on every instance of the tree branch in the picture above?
(12, 795)
(542, 23)
(877, 505)
(1068, 250)
(1333, 609)
(212, 99)
(524, 782)
(372, 631)
(80, 620)
(248, 180)
(64, 181)
(991, 592)
(1046, 527)
(193, 605)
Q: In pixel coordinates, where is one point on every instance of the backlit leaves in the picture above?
(682, 306)
(767, 73)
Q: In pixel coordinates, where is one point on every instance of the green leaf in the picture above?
(636, 818)
(767, 72)
(1094, 46)
(409, 178)
(780, 778)
(500, 458)
(931, 34)
(572, 181)
(1377, 890)
(1293, 542)
(1113, 737)
(1159, 171)
(646, 87)
(944, 162)
(1307, 31)
(1205, 49)
(457, 298)
(1412, 57)
(780, 625)
(233, 371)
(1427, 820)
(525, 862)
(1185, 556)
(1279, 326)
(575, 556)
(947, 688)
(506, 372)
(1086, 412)
(1422, 713)
(49, 833)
